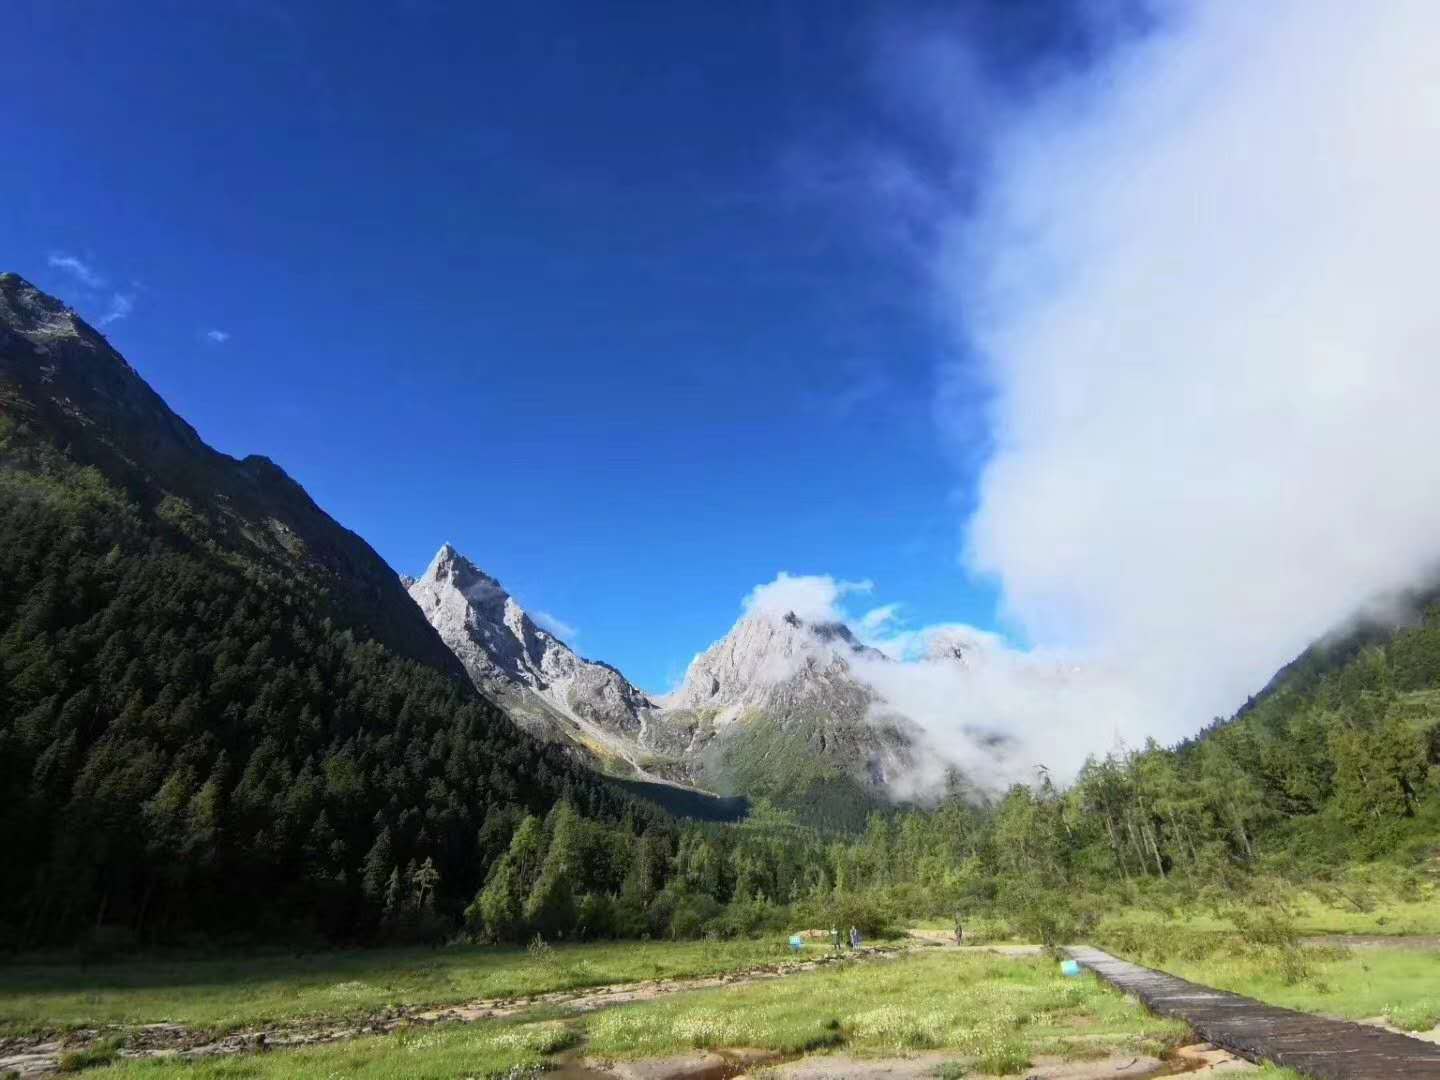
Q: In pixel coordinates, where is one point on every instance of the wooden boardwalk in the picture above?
(1321, 1048)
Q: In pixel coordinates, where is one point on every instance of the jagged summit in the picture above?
(541, 681)
(778, 708)
(480, 590)
(763, 652)
(773, 708)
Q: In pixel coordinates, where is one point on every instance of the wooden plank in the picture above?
(1316, 1046)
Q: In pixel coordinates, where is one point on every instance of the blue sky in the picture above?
(585, 289)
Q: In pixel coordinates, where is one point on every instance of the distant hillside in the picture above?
(1336, 649)
(686, 802)
(219, 709)
(1338, 750)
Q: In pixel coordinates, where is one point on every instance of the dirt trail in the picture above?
(947, 938)
(40, 1055)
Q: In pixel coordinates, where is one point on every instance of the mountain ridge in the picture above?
(772, 708)
(219, 709)
(587, 706)
(253, 499)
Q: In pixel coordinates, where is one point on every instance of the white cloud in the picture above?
(77, 268)
(994, 711)
(812, 597)
(559, 627)
(881, 616)
(219, 337)
(1198, 279)
(121, 304)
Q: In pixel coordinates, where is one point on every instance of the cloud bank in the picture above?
(1195, 280)
(980, 704)
(812, 597)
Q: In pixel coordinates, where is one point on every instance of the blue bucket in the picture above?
(1069, 967)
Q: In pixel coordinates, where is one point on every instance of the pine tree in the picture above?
(378, 867)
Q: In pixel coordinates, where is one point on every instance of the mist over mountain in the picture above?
(1186, 271)
(772, 709)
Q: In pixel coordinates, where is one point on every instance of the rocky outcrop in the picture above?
(541, 682)
(777, 704)
(773, 708)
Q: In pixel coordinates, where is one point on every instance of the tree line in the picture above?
(195, 742)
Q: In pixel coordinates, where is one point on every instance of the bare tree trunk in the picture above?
(1116, 847)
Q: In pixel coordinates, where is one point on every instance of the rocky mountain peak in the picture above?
(25, 308)
(763, 651)
(540, 680)
(450, 571)
(449, 565)
(782, 700)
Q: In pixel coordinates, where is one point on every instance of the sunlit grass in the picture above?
(984, 1007)
(994, 1013)
(233, 993)
(1361, 983)
(1327, 911)
(440, 1053)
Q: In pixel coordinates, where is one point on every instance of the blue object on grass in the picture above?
(796, 943)
(1069, 967)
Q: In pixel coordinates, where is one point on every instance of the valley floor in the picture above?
(977, 1011)
(229, 994)
(651, 1010)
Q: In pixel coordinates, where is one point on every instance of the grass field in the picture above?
(470, 1051)
(1314, 916)
(224, 995)
(994, 1013)
(1360, 984)
(992, 1008)
(1364, 900)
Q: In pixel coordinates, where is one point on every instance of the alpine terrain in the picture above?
(218, 707)
(773, 709)
(776, 709)
(541, 682)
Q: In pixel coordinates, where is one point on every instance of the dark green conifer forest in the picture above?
(222, 719)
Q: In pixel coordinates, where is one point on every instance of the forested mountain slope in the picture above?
(220, 711)
(1334, 763)
(218, 708)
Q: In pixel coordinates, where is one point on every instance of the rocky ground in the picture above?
(1200, 1059)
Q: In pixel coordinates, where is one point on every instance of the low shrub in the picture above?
(92, 1057)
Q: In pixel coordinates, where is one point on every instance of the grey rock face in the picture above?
(799, 677)
(538, 679)
(773, 677)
